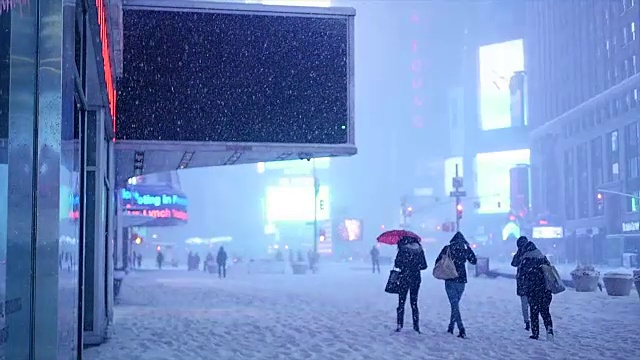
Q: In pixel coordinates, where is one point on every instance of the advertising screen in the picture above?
(493, 179)
(498, 64)
(168, 206)
(235, 77)
(350, 230)
(295, 203)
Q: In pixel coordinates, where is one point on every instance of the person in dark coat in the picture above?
(410, 260)
(375, 259)
(221, 259)
(534, 286)
(524, 301)
(460, 252)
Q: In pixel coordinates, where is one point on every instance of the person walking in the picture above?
(524, 301)
(221, 259)
(410, 260)
(375, 259)
(534, 283)
(459, 252)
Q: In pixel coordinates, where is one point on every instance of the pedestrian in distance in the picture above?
(221, 260)
(375, 259)
(459, 252)
(532, 276)
(520, 291)
(410, 260)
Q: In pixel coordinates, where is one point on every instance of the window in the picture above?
(597, 173)
(613, 156)
(569, 185)
(582, 153)
(633, 31)
(625, 35)
(632, 152)
(634, 64)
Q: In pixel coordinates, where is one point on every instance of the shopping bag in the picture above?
(393, 284)
(445, 269)
(552, 279)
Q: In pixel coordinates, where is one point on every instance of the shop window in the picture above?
(613, 156)
(582, 153)
(632, 153)
(597, 172)
(569, 185)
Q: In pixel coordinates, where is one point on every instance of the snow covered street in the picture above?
(345, 314)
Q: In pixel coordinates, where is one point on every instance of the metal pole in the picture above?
(457, 203)
(316, 188)
(618, 193)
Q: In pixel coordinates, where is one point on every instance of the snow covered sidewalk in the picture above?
(346, 315)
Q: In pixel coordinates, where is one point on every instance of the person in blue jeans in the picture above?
(460, 252)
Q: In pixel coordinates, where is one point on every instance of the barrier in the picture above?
(266, 266)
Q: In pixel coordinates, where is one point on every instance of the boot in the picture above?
(550, 334)
(462, 334)
(416, 328)
(527, 325)
(450, 329)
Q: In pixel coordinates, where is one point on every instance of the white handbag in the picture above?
(445, 269)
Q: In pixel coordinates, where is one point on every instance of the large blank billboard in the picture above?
(226, 74)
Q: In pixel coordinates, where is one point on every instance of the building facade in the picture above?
(583, 76)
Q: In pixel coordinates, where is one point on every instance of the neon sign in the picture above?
(106, 61)
(152, 200)
(8, 5)
(162, 214)
(416, 81)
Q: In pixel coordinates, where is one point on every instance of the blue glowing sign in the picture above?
(158, 200)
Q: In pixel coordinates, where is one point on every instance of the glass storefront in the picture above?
(54, 180)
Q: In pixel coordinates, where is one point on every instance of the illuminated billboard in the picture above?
(493, 179)
(498, 63)
(296, 203)
(167, 205)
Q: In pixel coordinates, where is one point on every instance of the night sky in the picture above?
(237, 78)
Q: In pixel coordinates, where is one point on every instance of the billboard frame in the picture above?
(346, 13)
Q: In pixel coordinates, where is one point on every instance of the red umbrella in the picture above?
(392, 237)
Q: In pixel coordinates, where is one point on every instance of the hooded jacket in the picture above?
(516, 261)
(460, 253)
(410, 260)
(530, 274)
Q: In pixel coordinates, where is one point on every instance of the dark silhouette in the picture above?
(139, 259)
(410, 261)
(221, 259)
(375, 259)
(159, 259)
(460, 252)
(190, 261)
(534, 286)
(524, 301)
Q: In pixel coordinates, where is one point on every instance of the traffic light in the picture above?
(137, 239)
(600, 202)
(322, 235)
(459, 211)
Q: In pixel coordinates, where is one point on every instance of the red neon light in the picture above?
(414, 46)
(161, 214)
(106, 60)
(416, 83)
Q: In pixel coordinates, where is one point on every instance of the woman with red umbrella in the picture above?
(410, 260)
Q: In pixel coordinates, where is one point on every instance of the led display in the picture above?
(295, 203)
(498, 63)
(493, 179)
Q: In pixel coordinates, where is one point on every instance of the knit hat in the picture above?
(522, 241)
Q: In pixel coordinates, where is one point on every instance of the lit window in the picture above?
(634, 64)
(635, 94)
(633, 31)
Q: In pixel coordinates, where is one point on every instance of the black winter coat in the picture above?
(515, 262)
(460, 253)
(530, 273)
(410, 260)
